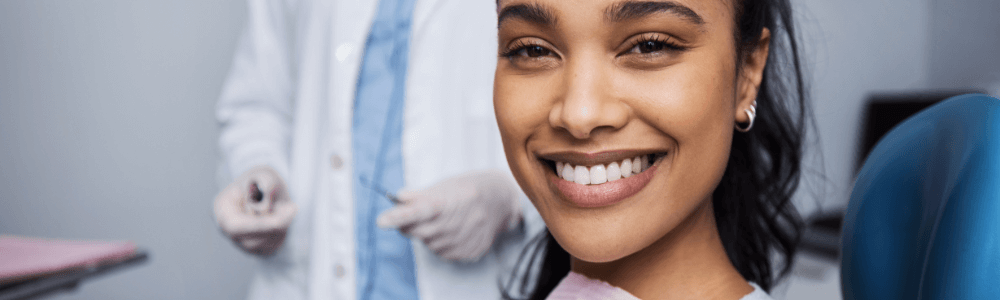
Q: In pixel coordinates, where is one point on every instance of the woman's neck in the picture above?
(687, 263)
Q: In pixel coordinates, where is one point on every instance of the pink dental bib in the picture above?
(578, 287)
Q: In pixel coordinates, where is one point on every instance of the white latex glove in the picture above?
(255, 211)
(460, 217)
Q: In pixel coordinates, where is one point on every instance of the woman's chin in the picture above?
(599, 248)
(599, 256)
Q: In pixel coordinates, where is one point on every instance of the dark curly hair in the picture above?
(752, 204)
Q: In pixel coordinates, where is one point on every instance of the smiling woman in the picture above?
(659, 140)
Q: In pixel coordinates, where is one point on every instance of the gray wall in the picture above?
(854, 47)
(858, 47)
(107, 133)
(107, 130)
(965, 44)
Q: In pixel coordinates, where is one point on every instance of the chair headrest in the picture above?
(923, 220)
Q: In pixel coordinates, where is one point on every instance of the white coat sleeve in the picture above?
(255, 107)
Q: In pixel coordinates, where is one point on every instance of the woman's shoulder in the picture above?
(757, 294)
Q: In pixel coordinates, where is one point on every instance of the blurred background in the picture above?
(107, 128)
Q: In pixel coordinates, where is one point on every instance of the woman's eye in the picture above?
(651, 51)
(534, 51)
(531, 56)
(649, 47)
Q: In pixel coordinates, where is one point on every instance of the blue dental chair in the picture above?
(923, 220)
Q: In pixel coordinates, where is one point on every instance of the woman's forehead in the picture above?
(699, 3)
(695, 11)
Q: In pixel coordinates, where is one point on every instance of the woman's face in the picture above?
(617, 116)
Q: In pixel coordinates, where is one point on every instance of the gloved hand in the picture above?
(460, 217)
(255, 211)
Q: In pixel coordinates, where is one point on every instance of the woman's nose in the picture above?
(587, 102)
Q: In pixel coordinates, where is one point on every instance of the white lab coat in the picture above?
(288, 103)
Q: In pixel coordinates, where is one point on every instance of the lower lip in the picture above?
(604, 194)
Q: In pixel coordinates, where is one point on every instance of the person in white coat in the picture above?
(330, 106)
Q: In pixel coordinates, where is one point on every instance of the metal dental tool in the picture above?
(259, 204)
(392, 197)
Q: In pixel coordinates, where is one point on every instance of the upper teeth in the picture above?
(599, 174)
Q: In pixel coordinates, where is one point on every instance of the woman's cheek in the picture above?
(518, 109)
(503, 103)
(684, 102)
(512, 118)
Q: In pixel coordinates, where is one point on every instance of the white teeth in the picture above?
(598, 174)
(626, 168)
(581, 175)
(567, 172)
(614, 173)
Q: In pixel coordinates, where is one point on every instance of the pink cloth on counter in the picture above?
(22, 258)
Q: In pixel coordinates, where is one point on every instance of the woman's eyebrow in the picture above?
(631, 10)
(533, 13)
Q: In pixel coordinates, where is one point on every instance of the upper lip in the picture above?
(590, 159)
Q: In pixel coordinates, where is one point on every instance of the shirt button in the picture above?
(343, 51)
(336, 162)
(339, 271)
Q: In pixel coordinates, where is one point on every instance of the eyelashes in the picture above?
(528, 49)
(653, 42)
(531, 55)
(646, 44)
(647, 51)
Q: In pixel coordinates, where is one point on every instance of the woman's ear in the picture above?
(750, 75)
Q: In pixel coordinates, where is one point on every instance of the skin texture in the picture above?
(586, 83)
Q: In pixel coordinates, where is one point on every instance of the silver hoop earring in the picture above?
(752, 114)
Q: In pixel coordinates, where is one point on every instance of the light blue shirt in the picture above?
(385, 257)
